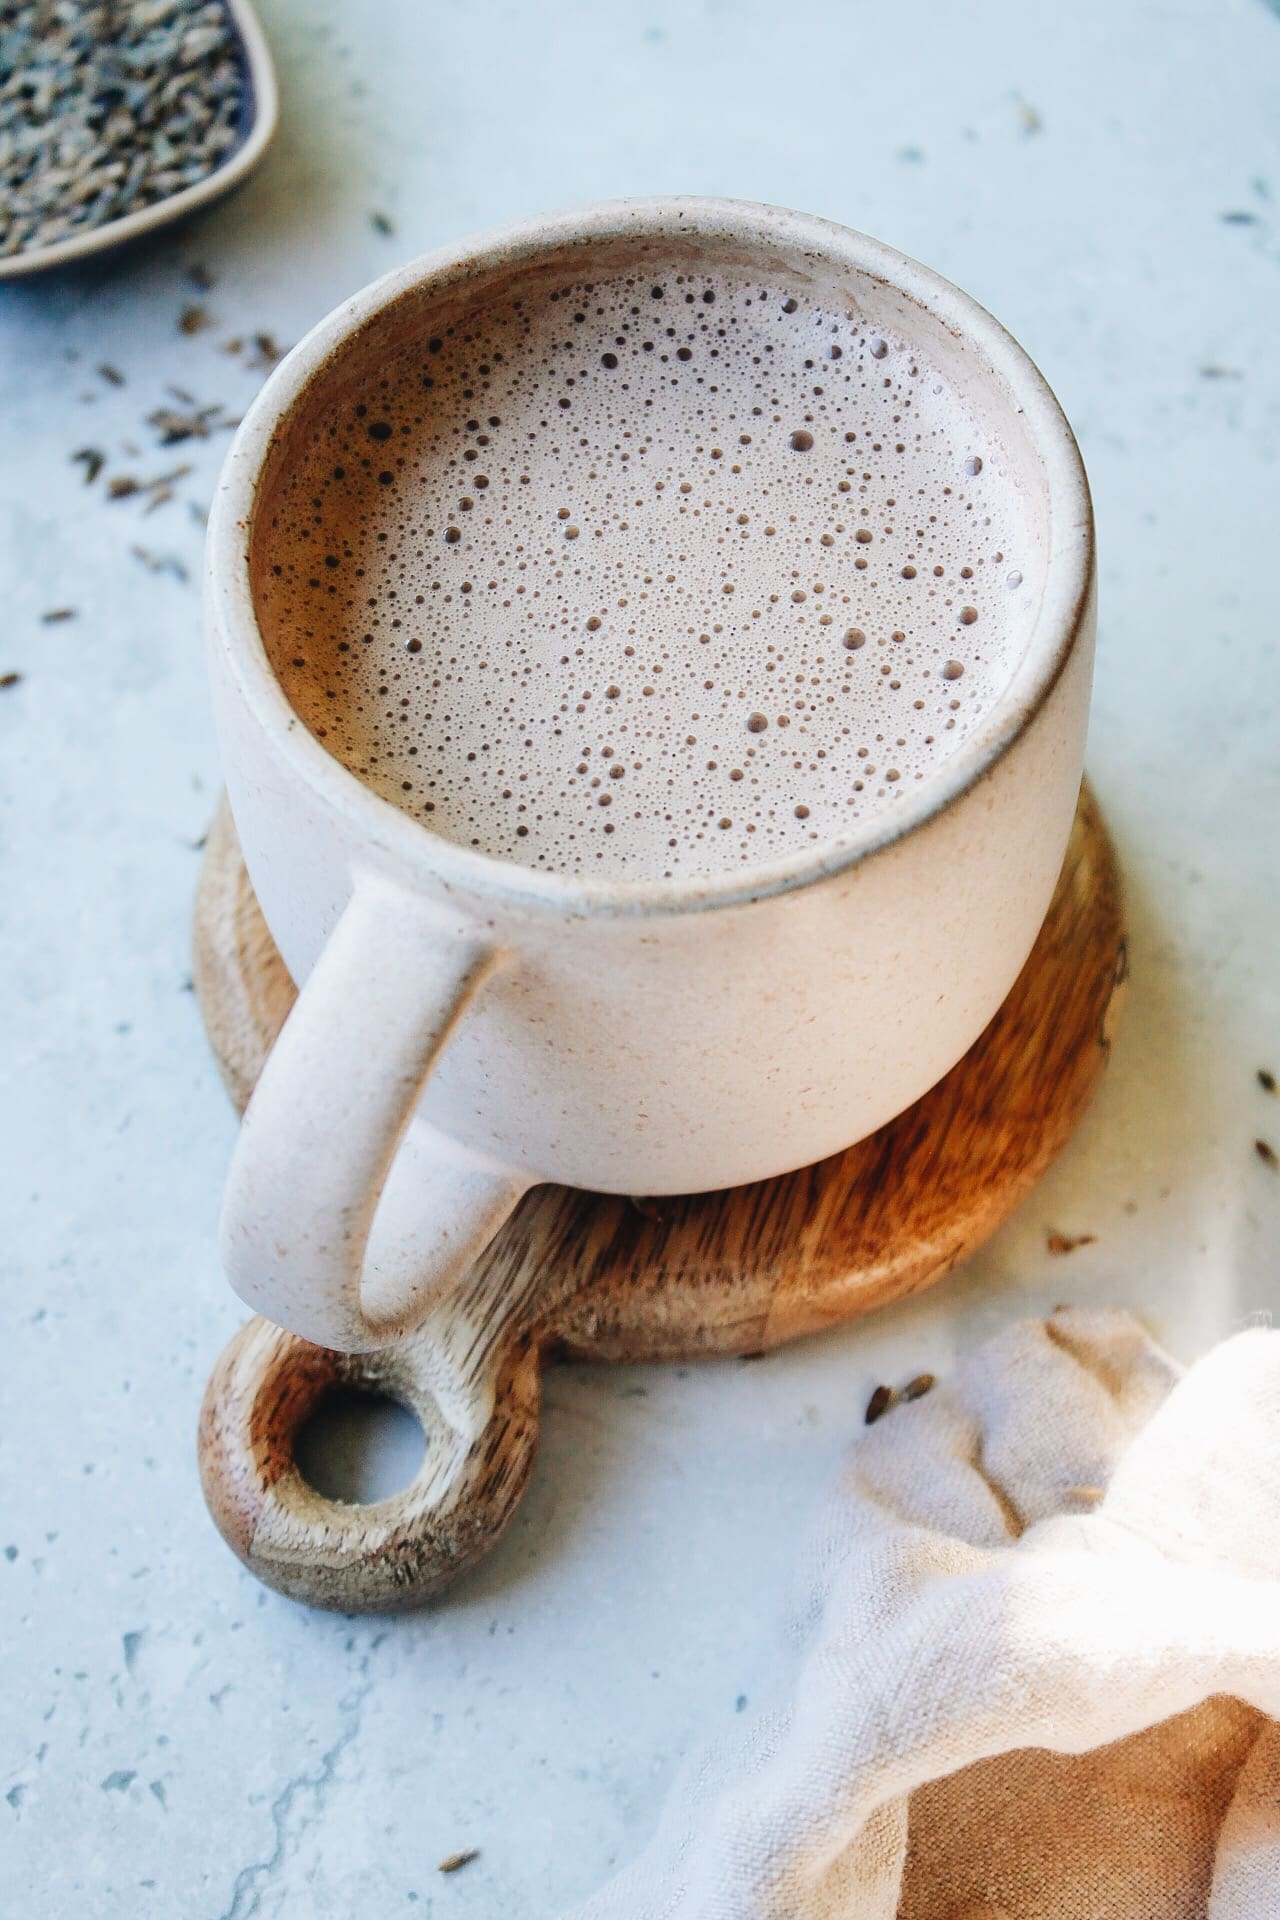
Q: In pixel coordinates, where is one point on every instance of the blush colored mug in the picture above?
(467, 1026)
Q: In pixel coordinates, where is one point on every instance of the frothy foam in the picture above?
(647, 576)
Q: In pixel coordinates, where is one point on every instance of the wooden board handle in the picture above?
(393, 1554)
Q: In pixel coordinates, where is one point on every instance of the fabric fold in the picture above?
(1041, 1677)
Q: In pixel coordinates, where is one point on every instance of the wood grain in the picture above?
(389, 1555)
(616, 1279)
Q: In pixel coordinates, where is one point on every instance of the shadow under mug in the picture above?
(466, 1026)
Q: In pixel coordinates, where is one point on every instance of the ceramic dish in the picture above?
(259, 114)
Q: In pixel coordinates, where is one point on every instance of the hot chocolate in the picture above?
(659, 574)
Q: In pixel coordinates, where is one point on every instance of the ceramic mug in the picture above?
(467, 1026)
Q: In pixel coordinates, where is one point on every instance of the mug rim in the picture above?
(408, 842)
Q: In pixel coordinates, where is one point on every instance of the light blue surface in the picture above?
(173, 1741)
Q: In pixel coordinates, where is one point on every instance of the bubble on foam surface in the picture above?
(647, 576)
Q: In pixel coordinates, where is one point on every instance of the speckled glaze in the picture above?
(468, 1027)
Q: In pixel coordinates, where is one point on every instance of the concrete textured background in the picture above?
(1105, 177)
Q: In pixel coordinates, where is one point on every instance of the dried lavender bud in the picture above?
(879, 1403)
(93, 460)
(452, 1861)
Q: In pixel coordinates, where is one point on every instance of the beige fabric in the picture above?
(1018, 1700)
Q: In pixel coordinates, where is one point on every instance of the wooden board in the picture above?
(617, 1279)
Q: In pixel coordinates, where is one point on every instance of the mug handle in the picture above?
(342, 1221)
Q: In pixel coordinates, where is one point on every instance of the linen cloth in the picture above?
(1040, 1677)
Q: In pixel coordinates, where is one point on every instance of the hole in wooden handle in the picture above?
(359, 1447)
